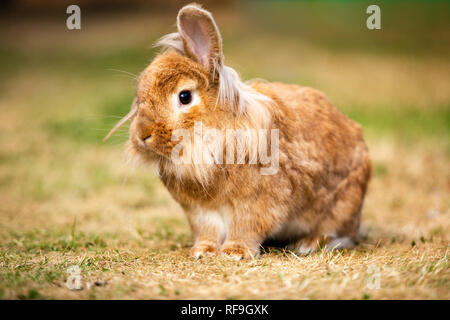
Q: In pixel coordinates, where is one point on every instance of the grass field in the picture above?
(68, 199)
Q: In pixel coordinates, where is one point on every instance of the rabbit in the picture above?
(311, 200)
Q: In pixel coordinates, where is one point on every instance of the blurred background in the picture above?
(62, 189)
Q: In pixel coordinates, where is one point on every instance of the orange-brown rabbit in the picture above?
(311, 192)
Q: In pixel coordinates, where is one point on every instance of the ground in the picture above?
(68, 199)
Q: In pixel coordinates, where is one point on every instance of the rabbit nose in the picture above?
(142, 140)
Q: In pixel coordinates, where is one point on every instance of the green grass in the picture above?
(53, 240)
(408, 123)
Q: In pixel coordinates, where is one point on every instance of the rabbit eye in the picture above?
(185, 97)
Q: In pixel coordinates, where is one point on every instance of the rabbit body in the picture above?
(315, 197)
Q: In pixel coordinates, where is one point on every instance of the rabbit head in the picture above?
(188, 82)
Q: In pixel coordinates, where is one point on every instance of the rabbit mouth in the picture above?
(144, 148)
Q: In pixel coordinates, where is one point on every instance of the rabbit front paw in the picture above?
(238, 251)
(204, 249)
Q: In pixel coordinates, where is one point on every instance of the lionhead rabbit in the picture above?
(296, 176)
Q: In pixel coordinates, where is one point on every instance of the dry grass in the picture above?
(137, 241)
(66, 199)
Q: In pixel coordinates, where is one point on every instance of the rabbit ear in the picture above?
(130, 114)
(201, 37)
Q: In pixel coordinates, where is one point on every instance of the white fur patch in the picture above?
(219, 220)
(247, 101)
